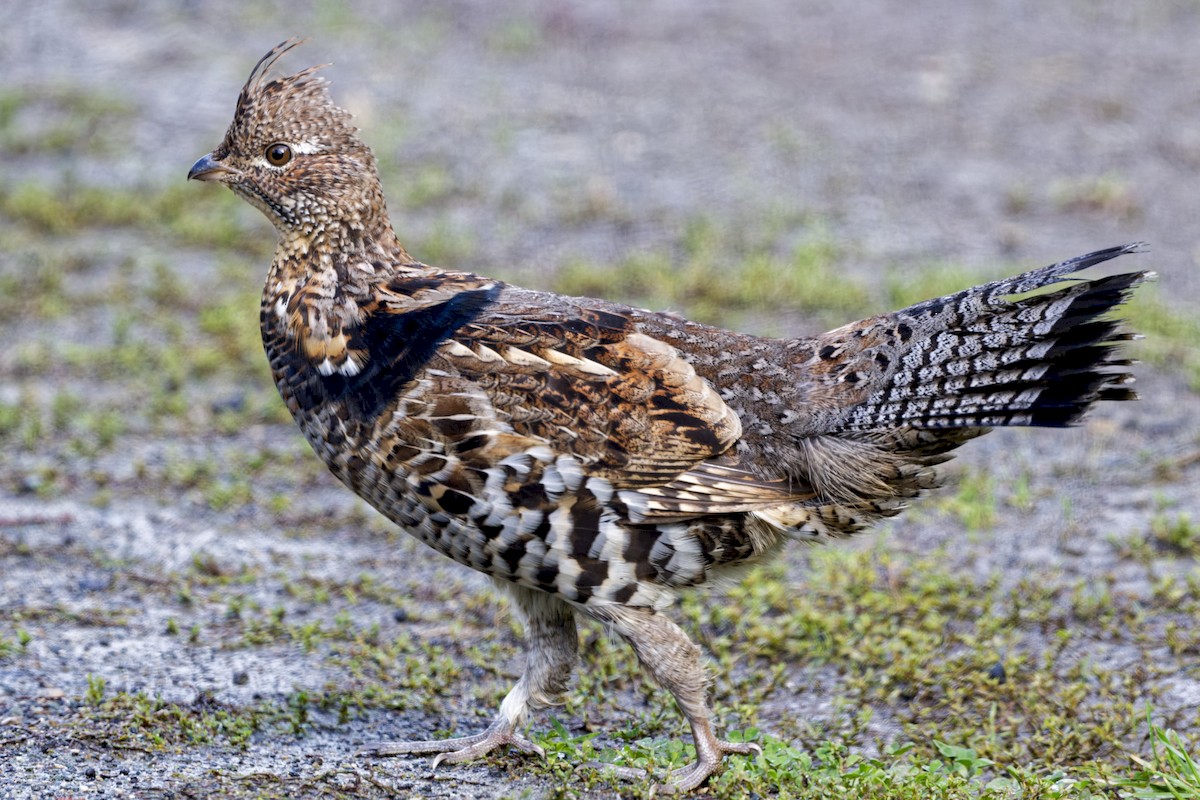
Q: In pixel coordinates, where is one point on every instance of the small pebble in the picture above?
(95, 582)
(400, 615)
(997, 673)
(241, 678)
(233, 403)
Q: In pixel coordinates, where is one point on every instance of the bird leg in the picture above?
(552, 644)
(673, 661)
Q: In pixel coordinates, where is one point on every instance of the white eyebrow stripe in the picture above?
(308, 147)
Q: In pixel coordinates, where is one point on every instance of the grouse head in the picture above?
(297, 157)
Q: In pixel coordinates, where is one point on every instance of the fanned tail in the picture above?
(984, 358)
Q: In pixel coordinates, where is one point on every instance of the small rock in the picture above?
(90, 773)
(95, 582)
(400, 615)
(997, 673)
(233, 403)
(241, 677)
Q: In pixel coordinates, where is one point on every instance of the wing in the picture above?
(563, 382)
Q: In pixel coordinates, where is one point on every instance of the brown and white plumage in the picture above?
(596, 458)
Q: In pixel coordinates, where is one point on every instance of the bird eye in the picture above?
(278, 154)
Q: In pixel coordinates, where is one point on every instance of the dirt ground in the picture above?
(136, 556)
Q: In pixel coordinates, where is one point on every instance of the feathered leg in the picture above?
(672, 660)
(552, 644)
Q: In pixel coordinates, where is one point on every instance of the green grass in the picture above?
(62, 120)
(221, 221)
(832, 770)
(1109, 195)
(165, 339)
(95, 690)
(974, 502)
(137, 721)
(1171, 771)
(515, 37)
(1177, 534)
(1172, 336)
(718, 285)
(16, 645)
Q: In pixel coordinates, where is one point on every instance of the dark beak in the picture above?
(209, 169)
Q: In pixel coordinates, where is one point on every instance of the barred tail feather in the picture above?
(981, 358)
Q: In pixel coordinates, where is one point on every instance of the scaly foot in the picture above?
(707, 762)
(687, 778)
(463, 748)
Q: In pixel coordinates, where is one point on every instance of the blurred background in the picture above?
(780, 167)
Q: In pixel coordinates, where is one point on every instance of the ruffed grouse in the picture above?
(594, 458)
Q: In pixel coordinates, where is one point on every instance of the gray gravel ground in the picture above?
(917, 133)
